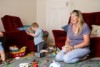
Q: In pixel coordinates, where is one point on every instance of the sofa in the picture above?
(92, 18)
(14, 36)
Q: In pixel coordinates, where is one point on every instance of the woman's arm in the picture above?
(67, 45)
(84, 43)
(81, 45)
(1, 34)
(67, 41)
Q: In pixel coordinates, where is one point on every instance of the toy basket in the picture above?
(19, 53)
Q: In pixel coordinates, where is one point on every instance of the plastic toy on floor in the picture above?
(14, 48)
(54, 50)
(40, 55)
(35, 63)
(19, 53)
(55, 64)
(24, 65)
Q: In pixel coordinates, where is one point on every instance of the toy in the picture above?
(55, 64)
(24, 65)
(41, 54)
(19, 53)
(46, 61)
(54, 50)
(35, 63)
(14, 48)
(64, 48)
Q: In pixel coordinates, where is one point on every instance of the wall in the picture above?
(41, 13)
(35, 10)
(83, 5)
(25, 9)
(87, 5)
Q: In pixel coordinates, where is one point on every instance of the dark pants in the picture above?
(2, 40)
(40, 46)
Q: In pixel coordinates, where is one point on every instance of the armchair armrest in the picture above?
(18, 38)
(59, 33)
(95, 46)
(59, 37)
(15, 34)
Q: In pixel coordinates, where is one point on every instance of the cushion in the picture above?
(95, 31)
(61, 39)
(25, 27)
(45, 34)
(65, 28)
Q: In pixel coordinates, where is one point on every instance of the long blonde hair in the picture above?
(80, 20)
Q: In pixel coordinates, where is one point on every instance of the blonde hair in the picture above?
(80, 20)
(34, 25)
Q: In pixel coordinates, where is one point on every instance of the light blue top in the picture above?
(76, 39)
(39, 36)
(1, 48)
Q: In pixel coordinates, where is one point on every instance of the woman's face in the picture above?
(74, 18)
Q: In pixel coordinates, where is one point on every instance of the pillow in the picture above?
(25, 27)
(95, 31)
(65, 28)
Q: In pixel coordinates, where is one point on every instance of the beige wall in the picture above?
(87, 5)
(25, 9)
(83, 5)
(41, 13)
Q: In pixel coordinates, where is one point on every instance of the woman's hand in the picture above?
(69, 48)
(1, 34)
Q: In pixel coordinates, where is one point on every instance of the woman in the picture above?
(77, 41)
(2, 53)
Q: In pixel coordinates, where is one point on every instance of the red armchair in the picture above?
(90, 19)
(13, 36)
(59, 37)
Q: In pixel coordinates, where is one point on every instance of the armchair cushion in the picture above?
(25, 27)
(11, 23)
(95, 31)
(13, 38)
(59, 37)
(62, 39)
(65, 28)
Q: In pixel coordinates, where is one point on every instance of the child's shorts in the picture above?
(1, 48)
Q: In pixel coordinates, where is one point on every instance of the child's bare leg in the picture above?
(2, 53)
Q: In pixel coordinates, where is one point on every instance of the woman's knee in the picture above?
(58, 58)
(66, 59)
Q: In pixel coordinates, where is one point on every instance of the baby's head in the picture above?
(34, 26)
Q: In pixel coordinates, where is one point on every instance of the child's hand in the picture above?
(32, 34)
(28, 33)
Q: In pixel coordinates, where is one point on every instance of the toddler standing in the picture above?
(38, 36)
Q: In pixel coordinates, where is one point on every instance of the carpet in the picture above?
(42, 63)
